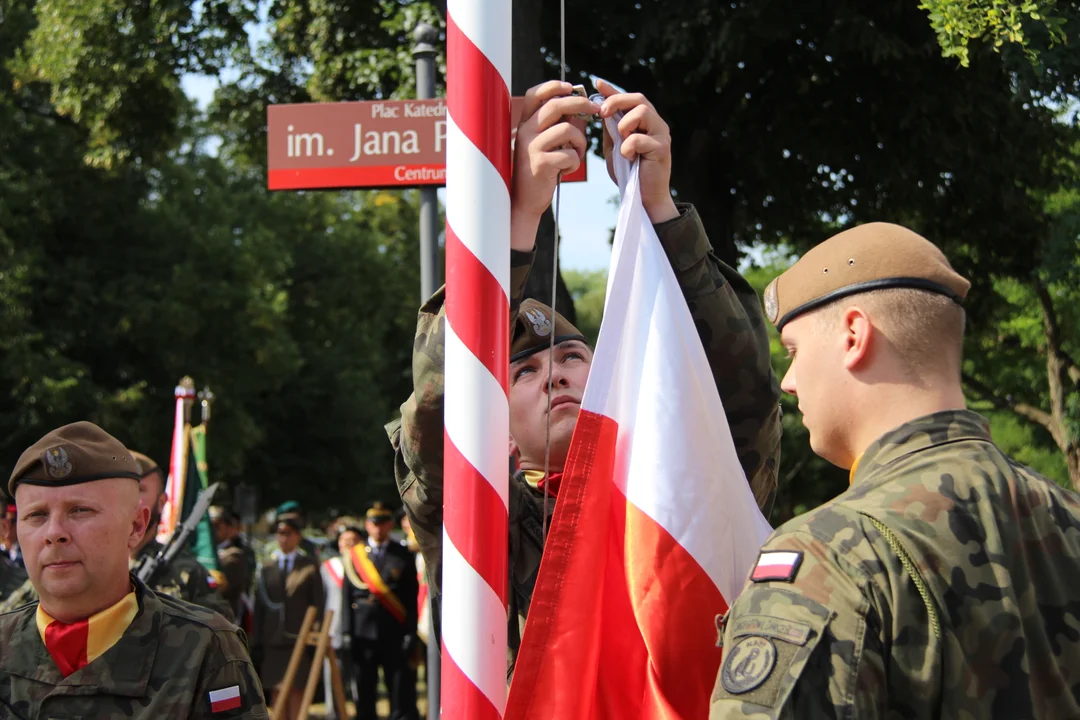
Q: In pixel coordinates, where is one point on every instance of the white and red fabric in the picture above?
(174, 485)
(655, 528)
(477, 415)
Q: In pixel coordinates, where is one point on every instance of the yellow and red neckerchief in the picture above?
(76, 645)
(536, 479)
(369, 576)
(854, 469)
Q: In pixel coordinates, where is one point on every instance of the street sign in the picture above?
(392, 143)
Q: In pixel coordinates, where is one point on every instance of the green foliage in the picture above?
(355, 50)
(113, 65)
(1027, 444)
(157, 259)
(958, 22)
(588, 290)
(297, 309)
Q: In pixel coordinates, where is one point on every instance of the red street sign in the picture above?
(392, 143)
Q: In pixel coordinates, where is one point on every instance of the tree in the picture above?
(588, 290)
(118, 279)
(1022, 354)
(958, 22)
(789, 119)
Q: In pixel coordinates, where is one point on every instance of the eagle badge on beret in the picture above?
(541, 323)
(772, 304)
(56, 463)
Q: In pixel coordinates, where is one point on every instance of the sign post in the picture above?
(430, 278)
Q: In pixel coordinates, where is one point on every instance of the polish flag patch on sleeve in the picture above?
(225, 699)
(772, 565)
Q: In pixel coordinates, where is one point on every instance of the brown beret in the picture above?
(532, 330)
(869, 257)
(77, 453)
(379, 513)
(146, 465)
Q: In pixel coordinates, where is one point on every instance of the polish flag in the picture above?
(225, 699)
(655, 528)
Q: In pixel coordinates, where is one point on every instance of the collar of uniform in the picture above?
(123, 669)
(940, 428)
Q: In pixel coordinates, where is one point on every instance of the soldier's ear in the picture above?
(139, 526)
(513, 449)
(859, 334)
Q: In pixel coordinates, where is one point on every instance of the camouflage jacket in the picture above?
(18, 597)
(12, 578)
(166, 665)
(941, 584)
(185, 578)
(728, 315)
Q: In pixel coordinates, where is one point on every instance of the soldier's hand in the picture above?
(550, 141)
(644, 134)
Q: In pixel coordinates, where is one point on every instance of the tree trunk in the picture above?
(1060, 383)
(1072, 460)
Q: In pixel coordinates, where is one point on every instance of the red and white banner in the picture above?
(655, 527)
(174, 485)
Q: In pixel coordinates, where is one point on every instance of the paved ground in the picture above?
(319, 711)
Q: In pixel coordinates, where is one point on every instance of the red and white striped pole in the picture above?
(474, 572)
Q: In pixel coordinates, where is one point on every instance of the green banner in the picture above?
(202, 540)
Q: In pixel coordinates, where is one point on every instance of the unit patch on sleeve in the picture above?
(748, 664)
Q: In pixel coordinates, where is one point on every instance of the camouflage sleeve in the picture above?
(804, 647)
(727, 313)
(228, 685)
(417, 436)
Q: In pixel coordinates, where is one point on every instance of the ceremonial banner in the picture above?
(202, 543)
(174, 486)
(655, 527)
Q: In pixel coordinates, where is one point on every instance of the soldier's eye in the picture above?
(521, 371)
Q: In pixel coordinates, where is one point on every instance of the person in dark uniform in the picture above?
(12, 576)
(379, 617)
(236, 559)
(286, 586)
(9, 541)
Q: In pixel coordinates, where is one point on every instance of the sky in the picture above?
(587, 214)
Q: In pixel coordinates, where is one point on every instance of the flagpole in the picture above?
(474, 575)
(184, 396)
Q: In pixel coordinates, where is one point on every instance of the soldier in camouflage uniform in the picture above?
(99, 644)
(943, 583)
(724, 306)
(185, 578)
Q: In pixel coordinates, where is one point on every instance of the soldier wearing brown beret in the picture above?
(99, 643)
(185, 577)
(943, 582)
(724, 307)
